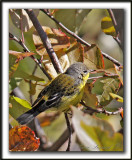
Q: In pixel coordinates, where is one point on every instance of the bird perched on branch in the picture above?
(65, 90)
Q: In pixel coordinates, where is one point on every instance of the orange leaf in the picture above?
(22, 138)
(46, 119)
(20, 55)
(121, 112)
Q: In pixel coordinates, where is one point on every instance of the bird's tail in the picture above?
(30, 115)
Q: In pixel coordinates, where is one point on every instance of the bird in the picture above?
(65, 90)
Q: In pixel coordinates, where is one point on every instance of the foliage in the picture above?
(93, 133)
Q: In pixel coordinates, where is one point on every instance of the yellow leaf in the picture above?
(115, 96)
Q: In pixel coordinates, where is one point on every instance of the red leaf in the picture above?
(22, 138)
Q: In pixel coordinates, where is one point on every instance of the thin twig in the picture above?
(115, 26)
(12, 37)
(110, 76)
(70, 131)
(99, 110)
(21, 26)
(80, 39)
(45, 40)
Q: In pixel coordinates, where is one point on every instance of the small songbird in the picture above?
(65, 90)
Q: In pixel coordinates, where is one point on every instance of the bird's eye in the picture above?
(85, 71)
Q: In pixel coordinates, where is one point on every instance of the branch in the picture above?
(110, 76)
(51, 53)
(63, 138)
(98, 110)
(70, 131)
(115, 26)
(80, 39)
(45, 40)
(12, 37)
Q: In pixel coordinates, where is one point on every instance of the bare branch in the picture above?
(45, 40)
(63, 138)
(99, 110)
(70, 131)
(52, 55)
(110, 76)
(80, 39)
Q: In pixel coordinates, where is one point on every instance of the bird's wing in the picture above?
(40, 96)
(53, 93)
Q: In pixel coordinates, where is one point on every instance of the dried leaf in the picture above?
(22, 138)
(93, 57)
(32, 88)
(75, 52)
(58, 39)
(119, 71)
(89, 98)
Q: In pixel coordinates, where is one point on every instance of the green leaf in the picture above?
(71, 18)
(25, 70)
(111, 85)
(19, 106)
(14, 82)
(108, 27)
(95, 134)
(103, 140)
(25, 75)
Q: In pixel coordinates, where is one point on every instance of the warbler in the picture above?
(65, 90)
